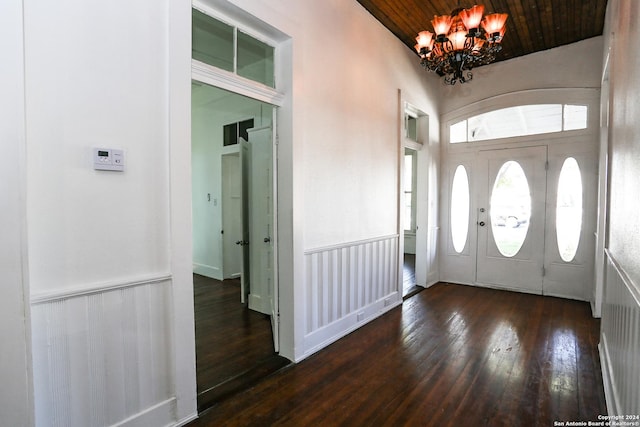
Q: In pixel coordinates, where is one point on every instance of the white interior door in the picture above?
(511, 218)
(231, 216)
(244, 242)
(261, 220)
(264, 289)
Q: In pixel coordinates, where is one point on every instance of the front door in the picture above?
(511, 218)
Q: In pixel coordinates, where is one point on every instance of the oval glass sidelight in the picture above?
(569, 209)
(510, 208)
(460, 208)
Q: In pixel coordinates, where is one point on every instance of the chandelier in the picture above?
(461, 41)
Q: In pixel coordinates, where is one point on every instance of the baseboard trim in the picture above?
(331, 333)
(610, 394)
(185, 420)
(157, 415)
(207, 271)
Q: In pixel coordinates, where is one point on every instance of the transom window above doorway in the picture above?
(521, 120)
(226, 47)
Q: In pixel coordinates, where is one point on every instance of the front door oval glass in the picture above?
(569, 209)
(510, 208)
(459, 208)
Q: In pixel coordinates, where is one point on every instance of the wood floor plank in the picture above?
(234, 345)
(451, 355)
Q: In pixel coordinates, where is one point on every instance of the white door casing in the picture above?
(244, 242)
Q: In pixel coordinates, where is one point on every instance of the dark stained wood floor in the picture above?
(234, 345)
(451, 355)
(409, 274)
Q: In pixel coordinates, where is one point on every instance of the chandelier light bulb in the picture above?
(458, 39)
(494, 23)
(461, 41)
(424, 40)
(441, 25)
(471, 18)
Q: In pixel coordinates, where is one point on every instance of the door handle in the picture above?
(267, 239)
(481, 223)
(242, 242)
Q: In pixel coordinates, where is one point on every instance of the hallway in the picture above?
(451, 355)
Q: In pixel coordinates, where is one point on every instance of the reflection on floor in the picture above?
(409, 287)
(234, 345)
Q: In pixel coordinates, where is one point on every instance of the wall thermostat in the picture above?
(108, 159)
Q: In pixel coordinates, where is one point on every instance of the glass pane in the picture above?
(569, 209)
(408, 172)
(212, 41)
(515, 121)
(408, 223)
(458, 132)
(255, 60)
(459, 208)
(510, 208)
(412, 128)
(575, 117)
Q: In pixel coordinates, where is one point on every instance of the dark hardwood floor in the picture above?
(234, 345)
(409, 287)
(451, 355)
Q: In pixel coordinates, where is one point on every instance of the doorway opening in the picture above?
(235, 291)
(409, 184)
(413, 200)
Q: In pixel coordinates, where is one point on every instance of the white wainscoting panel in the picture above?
(103, 358)
(348, 285)
(620, 341)
(433, 273)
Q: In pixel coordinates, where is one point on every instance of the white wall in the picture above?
(110, 254)
(16, 403)
(347, 70)
(577, 65)
(621, 306)
(100, 266)
(96, 77)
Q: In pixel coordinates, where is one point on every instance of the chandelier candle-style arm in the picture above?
(461, 41)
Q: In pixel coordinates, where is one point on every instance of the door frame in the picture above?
(424, 252)
(460, 268)
(212, 76)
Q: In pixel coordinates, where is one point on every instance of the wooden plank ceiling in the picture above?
(532, 26)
